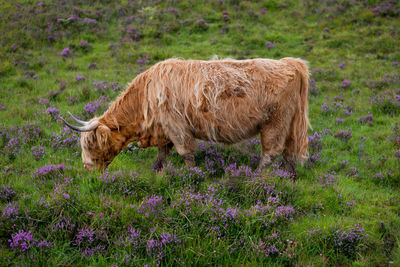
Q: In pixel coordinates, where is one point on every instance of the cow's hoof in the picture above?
(158, 166)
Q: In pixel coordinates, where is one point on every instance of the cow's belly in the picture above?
(225, 134)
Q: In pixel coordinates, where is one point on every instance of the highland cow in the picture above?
(176, 101)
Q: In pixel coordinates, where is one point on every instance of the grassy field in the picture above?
(344, 209)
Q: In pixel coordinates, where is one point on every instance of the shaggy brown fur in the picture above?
(220, 100)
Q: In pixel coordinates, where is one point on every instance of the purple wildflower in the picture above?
(38, 152)
(13, 147)
(269, 45)
(344, 134)
(44, 101)
(395, 137)
(53, 112)
(11, 211)
(44, 244)
(94, 107)
(327, 179)
(66, 52)
(346, 83)
(339, 120)
(151, 206)
(366, 119)
(80, 78)
(89, 21)
(92, 65)
(7, 192)
(21, 241)
(48, 171)
(84, 237)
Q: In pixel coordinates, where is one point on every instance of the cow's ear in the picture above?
(103, 134)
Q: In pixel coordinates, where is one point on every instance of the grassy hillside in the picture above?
(344, 209)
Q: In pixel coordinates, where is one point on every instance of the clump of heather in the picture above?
(353, 172)
(269, 45)
(132, 148)
(187, 176)
(12, 139)
(61, 195)
(158, 248)
(275, 245)
(49, 171)
(240, 172)
(11, 211)
(313, 86)
(336, 240)
(339, 120)
(366, 119)
(85, 236)
(386, 8)
(66, 52)
(38, 152)
(44, 101)
(346, 83)
(66, 139)
(341, 165)
(387, 102)
(62, 225)
(88, 242)
(53, 112)
(122, 182)
(21, 241)
(261, 187)
(85, 46)
(151, 206)
(7, 193)
(395, 137)
(213, 158)
(13, 147)
(348, 110)
(105, 86)
(92, 65)
(132, 238)
(97, 106)
(201, 25)
(314, 148)
(331, 108)
(80, 78)
(344, 134)
(327, 179)
(282, 173)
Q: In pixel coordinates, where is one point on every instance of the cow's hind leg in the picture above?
(163, 151)
(289, 157)
(273, 137)
(187, 149)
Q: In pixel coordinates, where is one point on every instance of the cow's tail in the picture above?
(300, 123)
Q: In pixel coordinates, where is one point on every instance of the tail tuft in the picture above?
(301, 122)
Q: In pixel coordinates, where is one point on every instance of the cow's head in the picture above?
(99, 145)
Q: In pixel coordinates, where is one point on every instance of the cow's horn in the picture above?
(88, 127)
(77, 120)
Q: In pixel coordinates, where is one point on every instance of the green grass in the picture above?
(323, 33)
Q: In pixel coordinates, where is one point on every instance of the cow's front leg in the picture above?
(184, 143)
(290, 165)
(163, 152)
